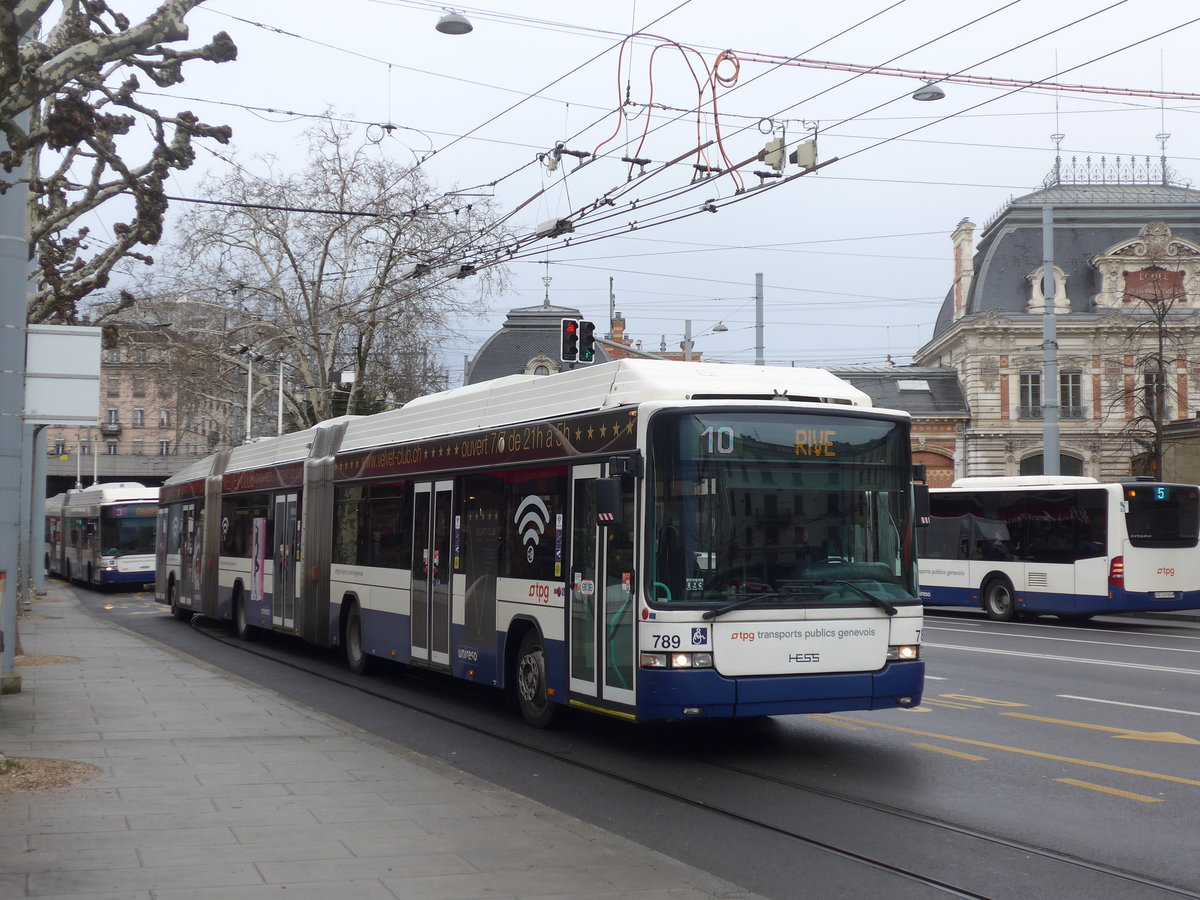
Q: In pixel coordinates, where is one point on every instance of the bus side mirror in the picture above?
(608, 501)
(921, 505)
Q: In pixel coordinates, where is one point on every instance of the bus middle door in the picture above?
(601, 615)
(432, 576)
(287, 546)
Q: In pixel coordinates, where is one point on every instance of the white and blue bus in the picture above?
(1061, 545)
(646, 539)
(102, 535)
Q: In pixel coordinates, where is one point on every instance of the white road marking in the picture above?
(1166, 709)
(1075, 659)
(1066, 640)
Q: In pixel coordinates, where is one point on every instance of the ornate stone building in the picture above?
(1126, 253)
(151, 424)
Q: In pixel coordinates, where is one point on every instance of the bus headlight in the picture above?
(676, 660)
(903, 652)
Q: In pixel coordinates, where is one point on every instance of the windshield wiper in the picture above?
(738, 604)
(878, 601)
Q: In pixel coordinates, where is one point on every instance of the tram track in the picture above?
(967, 842)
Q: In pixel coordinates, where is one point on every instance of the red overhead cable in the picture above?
(952, 78)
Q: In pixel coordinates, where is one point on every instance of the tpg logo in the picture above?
(1170, 573)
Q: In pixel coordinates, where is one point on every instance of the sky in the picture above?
(855, 257)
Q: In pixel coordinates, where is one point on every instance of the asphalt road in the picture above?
(1079, 741)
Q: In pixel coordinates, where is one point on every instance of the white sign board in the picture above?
(62, 375)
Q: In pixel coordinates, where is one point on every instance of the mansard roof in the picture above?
(1088, 219)
(923, 391)
(527, 331)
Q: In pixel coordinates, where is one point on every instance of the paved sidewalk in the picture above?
(211, 787)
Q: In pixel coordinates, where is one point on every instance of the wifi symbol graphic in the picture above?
(531, 520)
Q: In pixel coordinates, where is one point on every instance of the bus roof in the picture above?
(515, 399)
(1003, 481)
(525, 398)
(111, 492)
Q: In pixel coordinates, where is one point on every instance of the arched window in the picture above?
(1067, 465)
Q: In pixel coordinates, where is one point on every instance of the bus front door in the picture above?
(432, 576)
(287, 546)
(601, 613)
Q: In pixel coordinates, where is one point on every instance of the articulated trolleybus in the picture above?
(647, 539)
(1062, 545)
(102, 535)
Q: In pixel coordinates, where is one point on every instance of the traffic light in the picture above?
(568, 350)
(587, 342)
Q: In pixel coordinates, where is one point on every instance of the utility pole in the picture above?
(14, 280)
(759, 356)
(1050, 442)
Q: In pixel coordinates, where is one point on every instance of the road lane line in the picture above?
(1166, 709)
(1037, 754)
(1067, 640)
(957, 754)
(1075, 659)
(948, 704)
(1128, 795)
(1162, 737)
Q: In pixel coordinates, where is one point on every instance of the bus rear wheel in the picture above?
(533, 695)
(998, 600)
(357, 658)
(245, 631)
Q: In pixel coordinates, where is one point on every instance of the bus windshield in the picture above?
(128, 529)
(1162, 515)
(801, 509)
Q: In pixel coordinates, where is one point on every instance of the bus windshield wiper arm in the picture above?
(878, 601)
(737, 604)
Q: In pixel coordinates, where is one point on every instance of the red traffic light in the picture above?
(568, 350)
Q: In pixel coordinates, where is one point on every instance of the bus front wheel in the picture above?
(998, 600)
(533, 695)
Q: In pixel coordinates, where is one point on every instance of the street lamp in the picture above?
(453, 23)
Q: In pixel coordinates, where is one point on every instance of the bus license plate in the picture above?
(1164, 595)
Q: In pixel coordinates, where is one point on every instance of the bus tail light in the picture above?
(1116, 572)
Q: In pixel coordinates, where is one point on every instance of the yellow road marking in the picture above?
(1162, 737)
(984, 700)
(1128, 795)
(1174, 779)
(949, 704)
(846, 725)
(948, 752)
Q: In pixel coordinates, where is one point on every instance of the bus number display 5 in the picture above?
(720, 440)
(667, 642)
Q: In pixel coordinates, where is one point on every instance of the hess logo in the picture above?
(531, 520)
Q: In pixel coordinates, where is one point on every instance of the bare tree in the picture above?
(1152, 347)
(330, 274)
(68, 103)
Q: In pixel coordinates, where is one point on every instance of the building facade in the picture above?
(1126, 310)
(151, 422)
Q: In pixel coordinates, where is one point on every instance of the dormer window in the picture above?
(541, 365)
